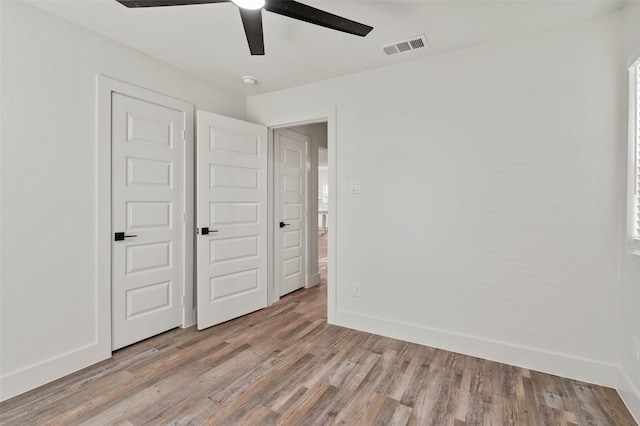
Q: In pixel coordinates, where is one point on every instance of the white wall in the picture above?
(495, 173)
(629, 385)
(48, 194)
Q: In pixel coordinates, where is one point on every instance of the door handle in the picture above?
(206, 231)
(282, 224)
(119, 236)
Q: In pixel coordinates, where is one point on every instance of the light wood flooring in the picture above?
(286, 365)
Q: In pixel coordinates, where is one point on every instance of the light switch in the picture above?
(354, 187)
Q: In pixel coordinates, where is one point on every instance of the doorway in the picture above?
(316, 135)
(323, 212)
(143, 236)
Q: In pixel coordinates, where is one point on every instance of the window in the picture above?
(634, 158)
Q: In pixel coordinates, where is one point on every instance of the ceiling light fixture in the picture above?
(247, 79)
(249, 4)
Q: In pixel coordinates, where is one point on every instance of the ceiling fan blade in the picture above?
(252, 22)
(309, 14)
(157, 3)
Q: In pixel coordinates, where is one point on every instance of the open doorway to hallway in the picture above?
(323, 259)
(323, 212)
(318, 202)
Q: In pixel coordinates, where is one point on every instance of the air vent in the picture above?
(413, 43)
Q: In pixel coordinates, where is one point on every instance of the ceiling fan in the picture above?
(251, 14)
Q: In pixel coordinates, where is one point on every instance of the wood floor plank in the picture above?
(220, 375)
(302, 405)
(475, 404)
(259, 415)
(128, 407)
(401, 415)
(285, 365)
(356, 402)
(416, 377)
(261, 393)
(349, 388)
(531, 409)
(324, 372)
(394, 365)
(386, 412)
(462, 405)
(370, 411)
(612, 399)
(289, 399)
(159, 369)
(313, 414)
(509, 396)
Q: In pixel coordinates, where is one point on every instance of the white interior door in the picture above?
(147, 194)
(291, 204)
(231, 218)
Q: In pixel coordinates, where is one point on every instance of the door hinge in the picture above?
(184, 218)
(183, 300)
(184, 134)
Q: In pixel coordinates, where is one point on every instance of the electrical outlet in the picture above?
(356, 289)
(636, 349)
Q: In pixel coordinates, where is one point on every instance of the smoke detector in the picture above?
(247, 79)
(413, 43)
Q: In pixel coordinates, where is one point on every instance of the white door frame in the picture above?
(105, 86)
(300, 119)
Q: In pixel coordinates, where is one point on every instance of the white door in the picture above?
(147, 181)
(231, 218)
(291, 206)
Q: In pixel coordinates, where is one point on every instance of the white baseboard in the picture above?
(314, 280)
(534, 359)
(29, 378)
(629, 394)
(190, 319)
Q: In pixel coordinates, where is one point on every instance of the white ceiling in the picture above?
(209, 42)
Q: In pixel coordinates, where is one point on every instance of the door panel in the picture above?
(291, 202)
(147, 157)
(232, 204)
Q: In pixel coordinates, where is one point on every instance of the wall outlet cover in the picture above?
(356, 289)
